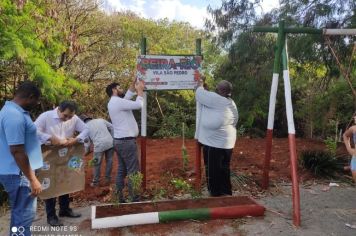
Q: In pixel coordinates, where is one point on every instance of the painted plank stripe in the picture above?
(125, 220)
(237, 211)
(196, 214)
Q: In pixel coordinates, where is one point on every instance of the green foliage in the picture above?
(319, 91)
(181, 184)
(331, 145)
(184, 187)
(159, 193)
(28, 42)
(185, 158)
(321, 163)
(177, 107)
(136, 182)
(241, 131)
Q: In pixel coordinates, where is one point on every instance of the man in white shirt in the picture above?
(57, 127)
(217, 117)
(101, 135)
(120, 109)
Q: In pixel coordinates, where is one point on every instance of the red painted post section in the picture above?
(267, 161)
(143, 161)
(197, 166)
(295, 182)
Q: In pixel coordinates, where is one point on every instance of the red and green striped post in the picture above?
(281, 44)
(272, 105)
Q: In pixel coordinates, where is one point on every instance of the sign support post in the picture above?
(143, 124)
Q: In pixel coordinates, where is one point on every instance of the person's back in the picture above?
(217, 120)
(100, 135)
(216, 130)
(122, 117)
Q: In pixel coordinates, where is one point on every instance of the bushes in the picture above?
(322, 163)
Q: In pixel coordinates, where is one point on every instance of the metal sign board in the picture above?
(162, 72)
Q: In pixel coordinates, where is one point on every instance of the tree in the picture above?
(28, 46)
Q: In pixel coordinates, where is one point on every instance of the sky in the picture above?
(192, 11)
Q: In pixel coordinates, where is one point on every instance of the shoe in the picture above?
(107, 182)
(69, 213)
(92, 184)
(136, 199)
(53, 221)
(120, 197)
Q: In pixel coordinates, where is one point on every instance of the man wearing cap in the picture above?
(216, 130)
(101, 135)
(120, 109)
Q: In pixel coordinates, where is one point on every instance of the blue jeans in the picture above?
(98, 156)
(22, 204)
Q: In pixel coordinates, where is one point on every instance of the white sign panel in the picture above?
(169, 72)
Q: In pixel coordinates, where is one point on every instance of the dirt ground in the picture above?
(324, 210)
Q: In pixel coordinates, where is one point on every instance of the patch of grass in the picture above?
(159, 193)
(136, 182)
(184, 187)
(181, 184)
(322, 163)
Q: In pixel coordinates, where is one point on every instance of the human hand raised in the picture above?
(139, 86)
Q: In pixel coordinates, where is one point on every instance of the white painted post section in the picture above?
(288, 97)
(272, 101)
(339, 31)
(144, 116)
(125, 220)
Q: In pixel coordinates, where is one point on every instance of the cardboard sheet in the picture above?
(62, 171)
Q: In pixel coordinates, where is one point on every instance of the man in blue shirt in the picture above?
(20, 156)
